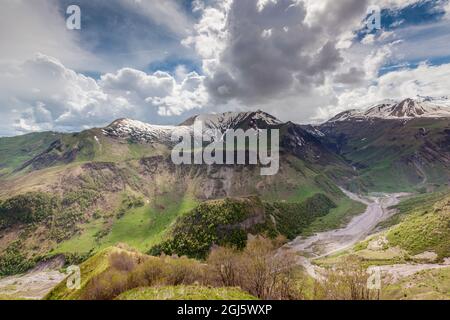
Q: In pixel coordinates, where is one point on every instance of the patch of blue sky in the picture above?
(126, 38)
(423, 12)
(171, 63)
(413, 64)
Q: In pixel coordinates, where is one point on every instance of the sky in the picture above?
(163, 61)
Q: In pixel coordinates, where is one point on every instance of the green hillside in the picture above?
(394, 155)
(425, 285)
(228, 222)
(85, 191)
(424, 230)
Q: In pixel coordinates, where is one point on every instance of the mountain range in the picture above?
(77, 193)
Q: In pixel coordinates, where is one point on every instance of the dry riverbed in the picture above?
(325, 244)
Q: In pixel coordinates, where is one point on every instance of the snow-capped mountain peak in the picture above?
(234, 120)
(144, 132)
(420, 107)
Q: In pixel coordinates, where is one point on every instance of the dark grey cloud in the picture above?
(274, 50)
(353, 76)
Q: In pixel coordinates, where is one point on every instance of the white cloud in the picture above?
(395, 4)
(422, 42)
(425, 80)
(279, 56)
(447, 10)
(211, 34)
(297, 59)
(27, 27)
(166, 13)
(368, 39)
(43, 94)
(128, 80)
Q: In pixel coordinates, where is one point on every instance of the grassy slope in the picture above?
(140, 227)
(417, 203)
(89, 269)
(186, 293)
(296, 183)
(424, 230)
(90, 145)
(228, 222)
(346, 209)
(148, 224)
(17, 150)
(100, 263)
(425, 285)
(384, 151)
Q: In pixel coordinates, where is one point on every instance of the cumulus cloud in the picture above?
(43, 94)
(297, 59)
(269, 49)
(401, 84)
(280, 56)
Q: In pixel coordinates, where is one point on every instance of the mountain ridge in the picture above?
(410, 108)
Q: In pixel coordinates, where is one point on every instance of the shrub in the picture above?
(224, 264)
(347, 281)
(260, 269)
(30, 207)
(183, 271)
(12, 261)
(128, 271)
(122, 262)
(76, 258)
(149, 273)
(83, 198)
(227, 223)
(131, 202)
(107, 286)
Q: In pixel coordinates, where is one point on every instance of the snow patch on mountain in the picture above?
(420, 107)
(144, 132)
(233, 120)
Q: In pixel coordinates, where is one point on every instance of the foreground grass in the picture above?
(186, 293)
(89, 269)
